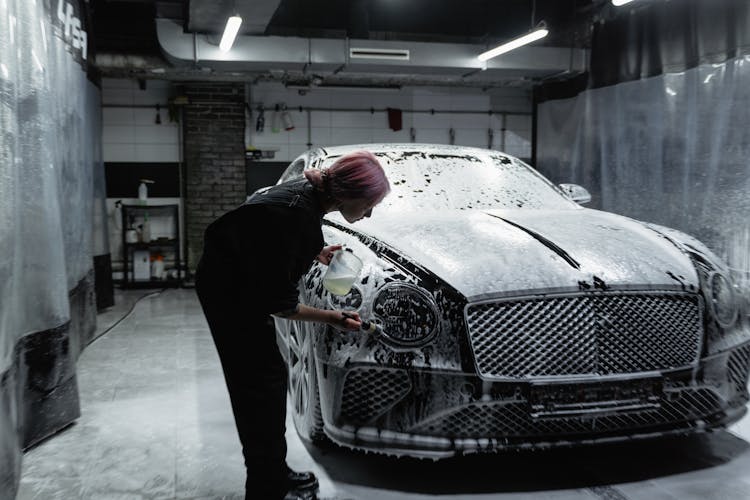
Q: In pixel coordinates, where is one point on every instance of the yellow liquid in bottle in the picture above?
(339, 285)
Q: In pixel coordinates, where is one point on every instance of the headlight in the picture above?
(407, 313)
(721, 299)
(352, 301)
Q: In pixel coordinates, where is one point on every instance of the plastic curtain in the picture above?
(49, 147)
(672, 149)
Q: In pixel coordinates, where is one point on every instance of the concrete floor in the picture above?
(156, 423)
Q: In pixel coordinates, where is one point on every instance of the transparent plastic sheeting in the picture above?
(49, 146)
(673, 149)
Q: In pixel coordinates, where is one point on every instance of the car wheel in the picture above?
(303, 384)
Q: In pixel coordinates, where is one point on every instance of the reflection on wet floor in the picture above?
(156, 423)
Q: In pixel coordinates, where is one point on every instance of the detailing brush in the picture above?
(372, 327)
(365, 326)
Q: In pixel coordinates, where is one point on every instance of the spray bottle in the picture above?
(143, 191)
(286, 118)
(275, 118)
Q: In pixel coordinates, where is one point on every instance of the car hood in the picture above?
(489, 252)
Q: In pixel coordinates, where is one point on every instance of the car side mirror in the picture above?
(577, 193)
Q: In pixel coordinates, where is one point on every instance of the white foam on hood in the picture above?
(462, 180)
(446, 212)
(478, 253)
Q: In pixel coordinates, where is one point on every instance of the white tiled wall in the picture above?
(130, 134)
(328, 128)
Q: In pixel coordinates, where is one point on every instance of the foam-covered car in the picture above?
(512, 317)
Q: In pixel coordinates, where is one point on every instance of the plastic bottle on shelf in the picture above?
(146, 230)
(157, 267)
(143, 191)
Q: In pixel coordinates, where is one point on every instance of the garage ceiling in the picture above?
(131, 42)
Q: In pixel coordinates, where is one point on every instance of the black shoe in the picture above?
(302, 480)
(301, 495)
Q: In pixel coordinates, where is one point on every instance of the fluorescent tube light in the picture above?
(618, 3)
(513, 44)
(230, 32)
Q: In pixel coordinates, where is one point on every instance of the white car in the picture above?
(512, 317)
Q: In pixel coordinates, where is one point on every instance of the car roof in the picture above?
(407, 146)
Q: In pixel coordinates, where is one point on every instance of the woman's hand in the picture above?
(345, 320)
(325, 255)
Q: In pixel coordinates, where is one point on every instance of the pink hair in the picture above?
(357, 175)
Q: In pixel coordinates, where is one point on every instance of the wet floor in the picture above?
(156, 424)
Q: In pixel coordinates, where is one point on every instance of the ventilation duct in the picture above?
(376, 58)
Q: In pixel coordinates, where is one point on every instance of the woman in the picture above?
(253, 258)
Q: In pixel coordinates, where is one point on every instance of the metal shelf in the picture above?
(169, 245)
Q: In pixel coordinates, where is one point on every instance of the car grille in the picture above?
(738, 366)
(587, 334)
(370, 392)
(512, 419)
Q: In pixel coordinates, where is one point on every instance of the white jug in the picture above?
(343, 271)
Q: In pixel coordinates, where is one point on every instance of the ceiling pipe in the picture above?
(325, 56)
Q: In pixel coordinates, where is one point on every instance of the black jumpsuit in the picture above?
(252, 260)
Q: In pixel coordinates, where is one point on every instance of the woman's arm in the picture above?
(337, 319)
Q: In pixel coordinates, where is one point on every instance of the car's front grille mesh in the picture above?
(587, 334)
(369, 392)
(512, 419)
(738, 366)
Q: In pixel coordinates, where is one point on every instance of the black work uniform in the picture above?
(253, 258)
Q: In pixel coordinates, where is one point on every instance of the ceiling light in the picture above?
(513, 44)
(618, 3)
(230, 32)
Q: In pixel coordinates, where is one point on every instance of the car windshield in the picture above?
(432, 180)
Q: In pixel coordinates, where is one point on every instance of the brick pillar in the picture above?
(214, 131)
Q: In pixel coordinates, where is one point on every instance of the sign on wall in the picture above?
(68, 21)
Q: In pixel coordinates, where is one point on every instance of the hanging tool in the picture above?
(286, 118)
(260, 123)
(275, 119)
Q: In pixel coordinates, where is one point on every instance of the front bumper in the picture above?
(425, 413)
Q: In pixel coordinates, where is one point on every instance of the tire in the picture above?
(303, 384)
